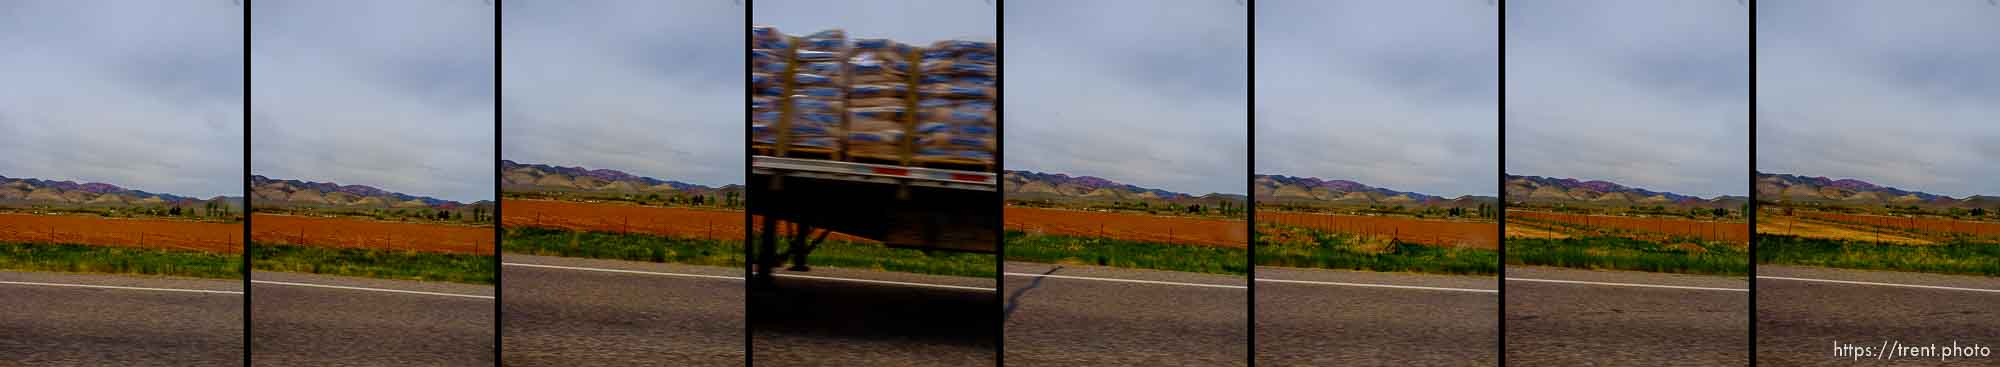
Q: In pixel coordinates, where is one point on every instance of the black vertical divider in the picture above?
(499, 277)
(1750, 215)
(1250, 183)
(247, 331)
(1500, 187)
(748, 224)
(1000, 199)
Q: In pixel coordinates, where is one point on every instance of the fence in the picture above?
(1144, 228)
(1429, 232)
(1738, 233)
(1923, 226)
(359, 233)
(111, 234)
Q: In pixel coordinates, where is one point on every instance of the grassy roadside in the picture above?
(1619, 253)
(119, 260)
(1955, 257)
(654, 248)
(1021, 246)
(374, 263)
(1329, 250)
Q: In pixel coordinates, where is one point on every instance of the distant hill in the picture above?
(529, 177)
(1848, 191)
(1057, 187)
(1314, 191)
(1570, 191)
(280, 193)
(20, 192)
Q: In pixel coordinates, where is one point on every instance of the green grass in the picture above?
(374, 263)
(1619, 253)
(119, 260)
(845, 254)
(1328, 250)
(1021, 246)
(1956, 257)
(620, 246)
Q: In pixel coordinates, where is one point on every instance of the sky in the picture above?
(652, 88)
(917, 22)
(1646, 93)
(1396, 94)
(144, 95)
(392, 94)
(1129, 90)
(1903, 94)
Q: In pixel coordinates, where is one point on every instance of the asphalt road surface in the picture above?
(1801, 316)
(1573, 324)
(314, 326)
(1173, 319)
(929, 321)
(587, 313)
(1360, 324)
(44, 324)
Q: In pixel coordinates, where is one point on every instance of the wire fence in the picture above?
(226, 240)
(1422, 231)
(358, 233)
(1134, 227)
(1937, 227)
(1738, 233)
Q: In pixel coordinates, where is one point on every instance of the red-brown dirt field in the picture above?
(1484, 235)
(142, 233)
(365, 233)
(1932, 226)
(622, 218)
(1737, 233)
(1136, 227)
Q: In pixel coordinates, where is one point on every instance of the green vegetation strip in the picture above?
(119, 260)
(621, 246)
(877, 257)
(374, 263)
(1021, 246)
(1328, 250)
(1956, 257)
(1619, 253)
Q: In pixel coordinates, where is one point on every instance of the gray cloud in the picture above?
(907, 21)
(1396, 94)
(1652, 94)
(1895, 93)
(392, 94)
(652, 88)
(145, 95)
(1133, 91)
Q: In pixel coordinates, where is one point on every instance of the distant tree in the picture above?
(1978, 212)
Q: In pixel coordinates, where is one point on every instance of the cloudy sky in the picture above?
(1903, 94)
(1646, 93)
(652, 88)
(1403, 95)
(145, 95)
(1130, 90)
(392, 94)
(909, 21)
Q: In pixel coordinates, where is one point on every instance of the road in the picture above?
(296, 325)
(925, 320)
(1375, 318)
(1643, 323)
(53, 322)
(619, 313)
(1168, 319)
(1800, 316)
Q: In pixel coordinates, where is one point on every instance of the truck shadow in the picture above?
(814, 308)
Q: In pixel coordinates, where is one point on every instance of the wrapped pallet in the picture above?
(956, 118)
(768, 62)
(878, 92)
(819, 90)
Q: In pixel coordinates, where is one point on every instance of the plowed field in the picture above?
(145, 233)
(1136, 227)
(1738, 233)
(1412, 230)
(363, 233)
(1928, 226)
(620, 218)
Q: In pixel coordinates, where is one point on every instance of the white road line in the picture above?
(1380, 286)
(1881, 284)
(1034, 275)
(125, 288)
(888, 282)
(371, 289)
(1629, 284)
(623, 271)
(740, 278)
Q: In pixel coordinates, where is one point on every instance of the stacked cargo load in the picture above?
(878, 98)
(819, 91)
(956, 119)
(769, 58)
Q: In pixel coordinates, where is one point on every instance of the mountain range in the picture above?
(1030, 185)
(272, 192)
(1848, 191)
(1570, 191)
(31, 191)
(1314, 191)
(529, 177)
